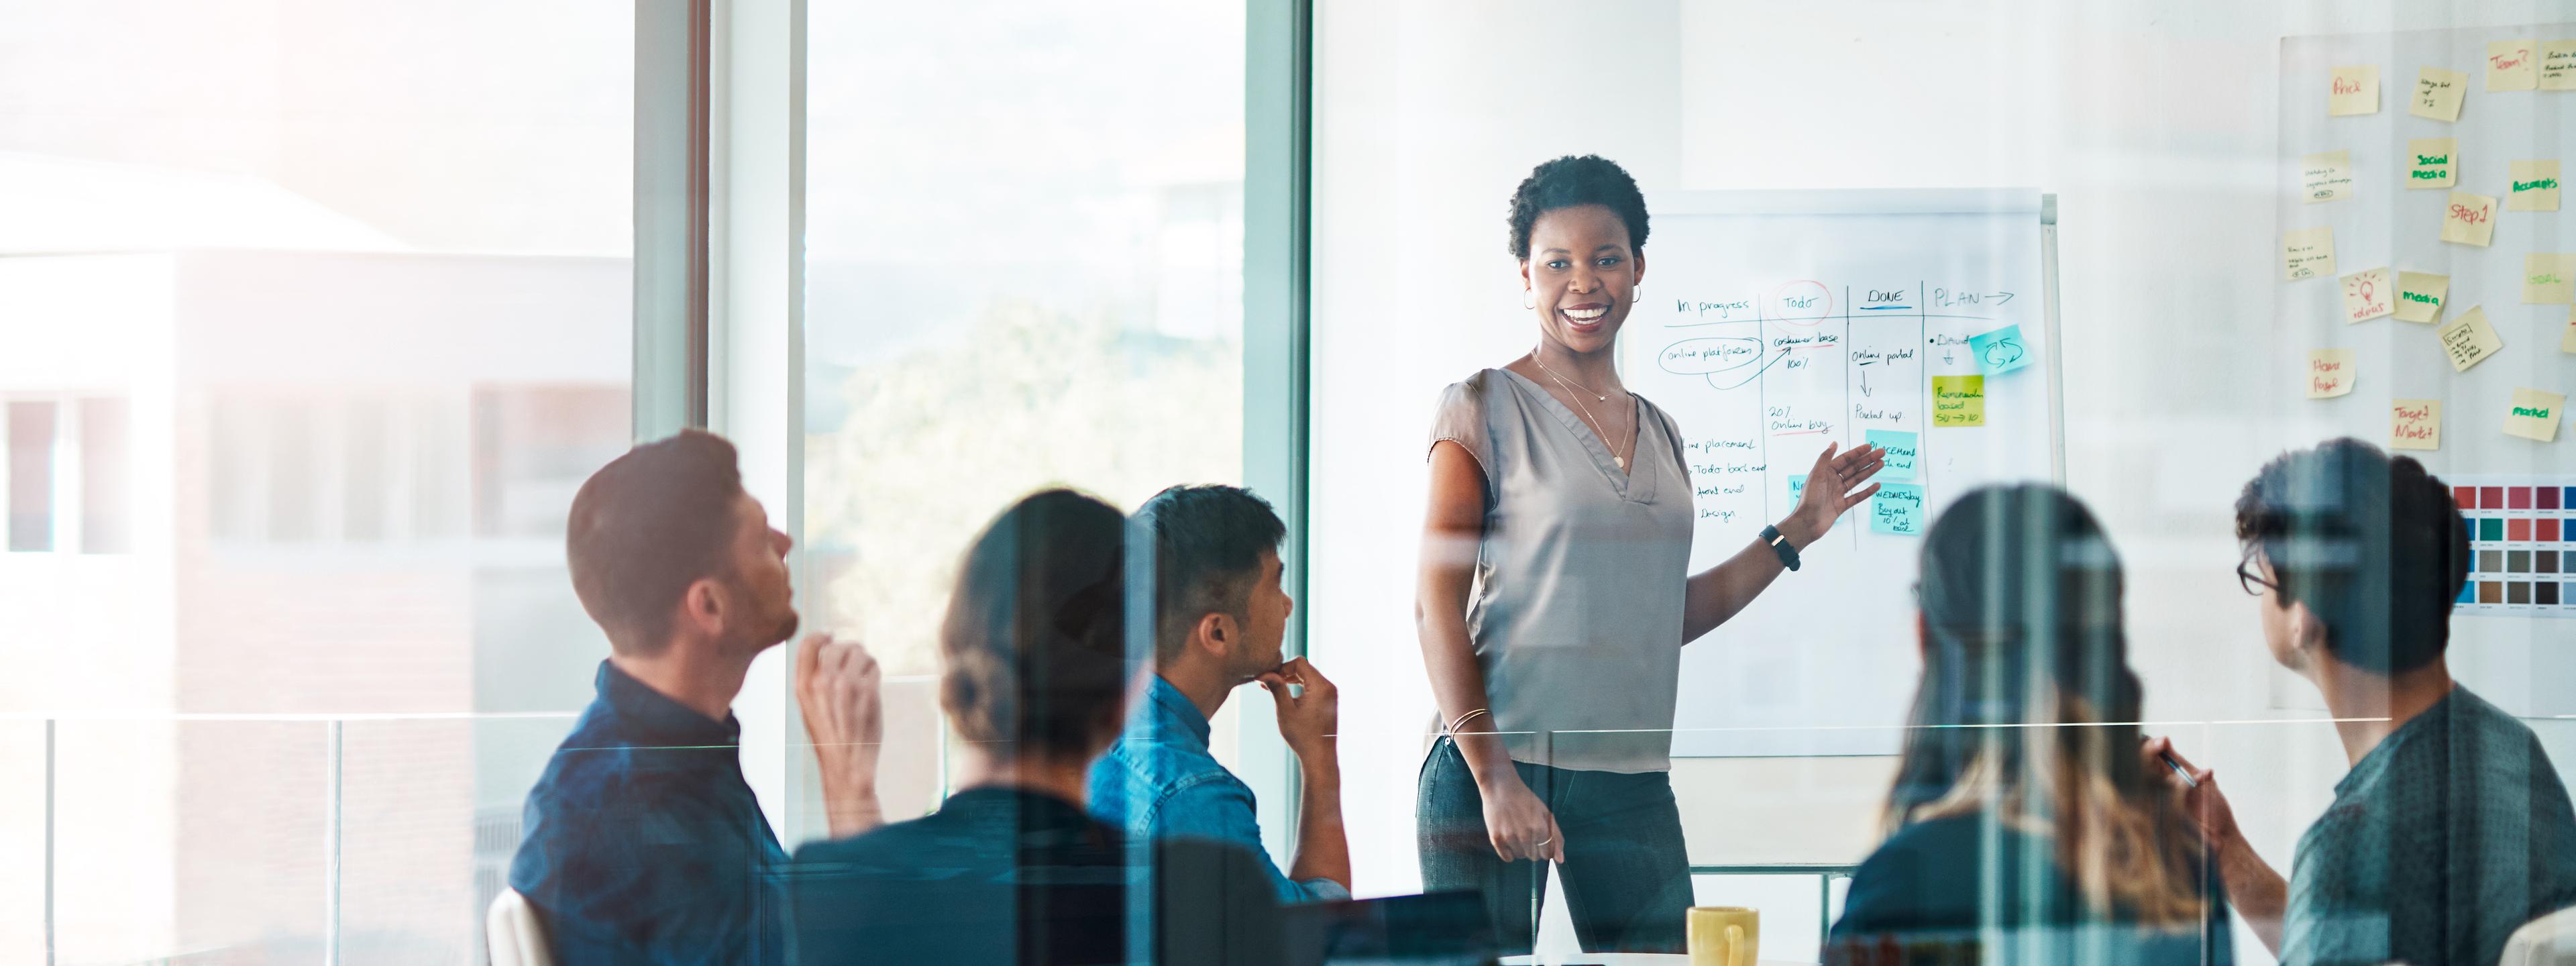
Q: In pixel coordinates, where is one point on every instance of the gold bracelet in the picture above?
(1463, 719)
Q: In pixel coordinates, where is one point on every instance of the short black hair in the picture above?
(645, 527)
(1034, 645)
(2373, 545)
(1571, 182)
(1207, 553)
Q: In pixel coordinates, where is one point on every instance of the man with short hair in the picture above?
(2452, 828)
(642, 843)
(1220, 615)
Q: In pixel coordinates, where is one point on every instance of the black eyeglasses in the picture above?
(2254, 583)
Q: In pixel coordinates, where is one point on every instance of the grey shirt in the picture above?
(2450, 834)
(1576, 610)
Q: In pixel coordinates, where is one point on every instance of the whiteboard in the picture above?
(1771, 323)
(2519, 660)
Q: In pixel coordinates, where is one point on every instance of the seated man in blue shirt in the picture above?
(641, 841)
(1220, 614)
(2452, 829)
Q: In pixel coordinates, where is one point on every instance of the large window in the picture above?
(1025, 270)
(313, 315)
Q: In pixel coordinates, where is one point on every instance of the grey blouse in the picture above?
(1576, 610)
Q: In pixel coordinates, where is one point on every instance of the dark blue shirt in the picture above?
(642, 843)
(1939, 883)
(1160, 782)
(1006, 877)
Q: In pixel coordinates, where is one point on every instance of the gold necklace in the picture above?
(1597, 431)
(1551, 373)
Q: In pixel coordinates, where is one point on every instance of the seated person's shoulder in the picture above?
(1925, 877)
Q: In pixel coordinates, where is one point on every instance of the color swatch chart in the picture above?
(2522, 546)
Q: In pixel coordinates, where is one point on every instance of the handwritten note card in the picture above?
(2512, 65)
(2000, 351)
(2419, 296)
(2469, 340)
(1901, 451)
(2534, 187)
(2326, 176)
(2307, 253)
(2535, 414)
(2438, 93)
(2470, 220)
(2548, 279)
(2558, 65)
(2432, 162)
(1897, 509)
(2367, 295)
(1958, 401)
(2329, 373)
(2415, 424)
(2353, 90)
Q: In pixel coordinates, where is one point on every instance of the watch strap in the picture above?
(1780, 545)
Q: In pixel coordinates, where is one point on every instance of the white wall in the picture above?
(2154, 123)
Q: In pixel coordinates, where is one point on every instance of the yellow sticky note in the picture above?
(2326, 176)
(2513, 65)
(2414, 424)
(2469, 340)
(1958, 401)
(2329, 373)
(2307, 252)
(2353, 90)
(2419, 296)
(2535, 414)
(2432, 162)
(2470, 220)
(2548, 279)
(2438, 93)
(2367, 295)
(2558, 65)
(2534, 187)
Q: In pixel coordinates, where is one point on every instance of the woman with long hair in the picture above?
(1555, 593)
(2021, 797)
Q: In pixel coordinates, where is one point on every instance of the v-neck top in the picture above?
(1576, 610)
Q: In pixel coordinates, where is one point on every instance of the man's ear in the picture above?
(1218, 634)
(702, 608)
(2307, 633)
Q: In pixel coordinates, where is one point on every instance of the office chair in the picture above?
(2547, 941)
(515, 933)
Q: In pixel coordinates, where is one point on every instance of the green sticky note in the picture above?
(1999, 351)
(1958, 401)
(1900, 453)
(1897, 509)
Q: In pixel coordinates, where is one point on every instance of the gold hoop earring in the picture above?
(1529, 298)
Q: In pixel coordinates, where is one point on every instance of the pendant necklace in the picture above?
(1570, 388)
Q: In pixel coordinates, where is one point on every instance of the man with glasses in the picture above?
(2452, 828)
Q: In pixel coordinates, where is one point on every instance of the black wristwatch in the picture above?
(1780, 545)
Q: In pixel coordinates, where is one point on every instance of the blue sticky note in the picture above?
(1897, 509)
(1999, 351)
(1900, 453)
(1797, 488)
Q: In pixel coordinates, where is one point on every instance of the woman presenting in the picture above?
(1555, 594)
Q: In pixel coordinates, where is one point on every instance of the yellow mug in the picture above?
(1724, 935)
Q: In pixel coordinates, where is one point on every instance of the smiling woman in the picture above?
(1554, 594)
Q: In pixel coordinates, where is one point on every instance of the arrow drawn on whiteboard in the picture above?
(2001, 297)
(2003, 352)
(1864, 380)
(1757, 373)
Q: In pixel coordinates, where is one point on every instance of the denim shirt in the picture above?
(1159, 781)
(641, 843)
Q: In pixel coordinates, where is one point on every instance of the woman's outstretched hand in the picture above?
(1833, 486)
